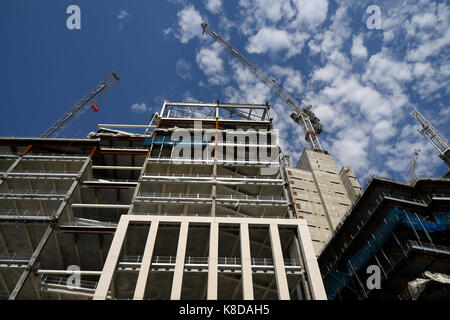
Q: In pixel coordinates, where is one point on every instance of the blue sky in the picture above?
(363, 84)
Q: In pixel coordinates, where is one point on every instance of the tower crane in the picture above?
(434, 137)
(302, 114)
(413, 167)
(87, 102)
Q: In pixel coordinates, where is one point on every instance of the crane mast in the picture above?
(81, 106)
(434, 137)
(413, 167)
(302, 113)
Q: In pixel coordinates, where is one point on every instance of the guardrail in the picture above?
(15, 257)
(26, 192)
(63, 281)
(169, 214)
(27, 213)
(19, 172)
(208, 196)
(171, 260)
(57, 156)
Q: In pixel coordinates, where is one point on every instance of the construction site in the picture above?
(202, 203)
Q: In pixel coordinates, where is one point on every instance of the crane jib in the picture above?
(309, 123)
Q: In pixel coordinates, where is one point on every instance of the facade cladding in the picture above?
(322, 194)
(402, 231)
(197, 207)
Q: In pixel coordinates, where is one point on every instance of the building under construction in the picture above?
(194, 205)
(403, 230)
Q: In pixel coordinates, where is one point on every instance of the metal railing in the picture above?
(370, 210)
(56, 156)
(107, 180)
(174, 195)
(250, 198)
(21, 172)
(149, 174)
(211, 160)
(26, 192)
(123, 148)
(13, 258)
(171, 260)
(428, 246)
(27, 213)
(208, 214)
(205, 196)
(64, 281)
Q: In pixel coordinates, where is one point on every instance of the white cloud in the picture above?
(122, 14)
(189, 22)
(121, 17)
(358, 49)
(424, 20)
(139, 107)
(183, 69)
(274, 40)
(214, 6)
(328, 73)
(363, 106)
(249, 88)
(383, 130)
(289, 78)
(387, 72)
(211, 63)
(268, 39)
(350, 148)
(429, 48)
(339, 32)
(261, 11)
(311, 12)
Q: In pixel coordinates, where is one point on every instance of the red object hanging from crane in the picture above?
(95, 107)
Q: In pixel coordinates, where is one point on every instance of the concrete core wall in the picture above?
(321, 193)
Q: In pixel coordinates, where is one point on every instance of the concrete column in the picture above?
(278, 263)
(111, 261)
(213, 261)
(311, 265)
(179, 263)
(141, 285)
(246, 266)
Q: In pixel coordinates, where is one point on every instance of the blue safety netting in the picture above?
(192, 142)
(335, 281)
